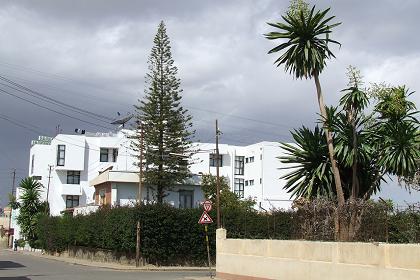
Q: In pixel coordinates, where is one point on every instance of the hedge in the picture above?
(171, 236)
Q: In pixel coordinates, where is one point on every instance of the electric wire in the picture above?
(43, 96)
(52, 110)
(53, 102)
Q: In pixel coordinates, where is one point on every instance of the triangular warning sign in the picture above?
(205, 219)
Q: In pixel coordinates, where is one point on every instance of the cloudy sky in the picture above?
(93, 54)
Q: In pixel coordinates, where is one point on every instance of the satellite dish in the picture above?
(122, 121)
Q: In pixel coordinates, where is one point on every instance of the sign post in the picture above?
(205, 220)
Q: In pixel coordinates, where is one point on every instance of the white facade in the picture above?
(82, 161)
(76, 160)
(260, 176)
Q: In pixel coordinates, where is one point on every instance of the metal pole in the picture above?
(217, 176)
(11, 210)
(138, 244)
(208, 249)
(49, 180)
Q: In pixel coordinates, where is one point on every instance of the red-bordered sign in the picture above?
(207, 205)
(205, 219)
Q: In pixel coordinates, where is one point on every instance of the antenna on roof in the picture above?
(122, 121)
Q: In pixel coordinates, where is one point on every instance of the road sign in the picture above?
(207, 205)
(205, 219)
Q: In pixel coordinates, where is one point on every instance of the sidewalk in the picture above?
(114, 266)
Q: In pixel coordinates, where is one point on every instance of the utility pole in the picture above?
(49, 180)
(11, 210)
(13, 181)
(217, 176)
(138, 228)
(48, 186)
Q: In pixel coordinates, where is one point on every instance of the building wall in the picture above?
(302, 260)
(272, 193)
(126, 194)
(265, 171)
(83, 154)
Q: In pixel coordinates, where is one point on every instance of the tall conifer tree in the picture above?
(167, 126)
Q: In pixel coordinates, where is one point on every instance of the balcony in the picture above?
(71, 189)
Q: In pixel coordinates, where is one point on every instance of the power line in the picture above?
(52, 75)
(18, 124)
(53, 102)
(52, 110)
(43, 133)
(239, 117)
(40, 95)
(60, 77)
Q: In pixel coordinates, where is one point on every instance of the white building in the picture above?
(252, 171)
(98, 168)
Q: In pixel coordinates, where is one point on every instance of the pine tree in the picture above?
(167, 126)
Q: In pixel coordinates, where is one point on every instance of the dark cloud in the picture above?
(93, 54)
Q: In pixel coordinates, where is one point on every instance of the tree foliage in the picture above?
(30, 208)
(166, 124)
(381, 143)
(228, 199)
(306, 35)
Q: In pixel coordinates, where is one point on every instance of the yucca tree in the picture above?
(368, 148)
(304, 54)
(311, 174)
(30, 207)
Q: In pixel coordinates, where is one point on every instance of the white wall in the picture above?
(83, 154)
(273, 194)
(268, 193)
(126, 194)
(303, 260)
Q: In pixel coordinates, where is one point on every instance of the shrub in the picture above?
(171, 236)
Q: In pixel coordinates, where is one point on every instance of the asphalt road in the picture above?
(16, 266)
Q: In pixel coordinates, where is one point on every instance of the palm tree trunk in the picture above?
(341, 229)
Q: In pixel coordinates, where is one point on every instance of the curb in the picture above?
(113, 266)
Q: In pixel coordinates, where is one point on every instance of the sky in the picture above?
(93, 55)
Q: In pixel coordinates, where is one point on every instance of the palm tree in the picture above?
(305, 52)
(30, 207)
(369, 147)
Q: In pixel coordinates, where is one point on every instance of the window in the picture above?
(251, 159)
(38, 178)
(32, 164)
(246, 160)
(239, 187)
(61, 154)
(251, 182)
(72, 201)
(260, 180)
(73, 177)
(103, 155)
(239, 165)
(114, 155)
(213, 161)
(246, 183)
(261, 157)
(186, 199)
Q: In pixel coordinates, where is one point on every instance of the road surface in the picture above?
(17, 266)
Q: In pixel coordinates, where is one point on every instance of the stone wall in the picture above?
(309, 260)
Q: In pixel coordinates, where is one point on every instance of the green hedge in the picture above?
(171, 236)
(168, 235)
